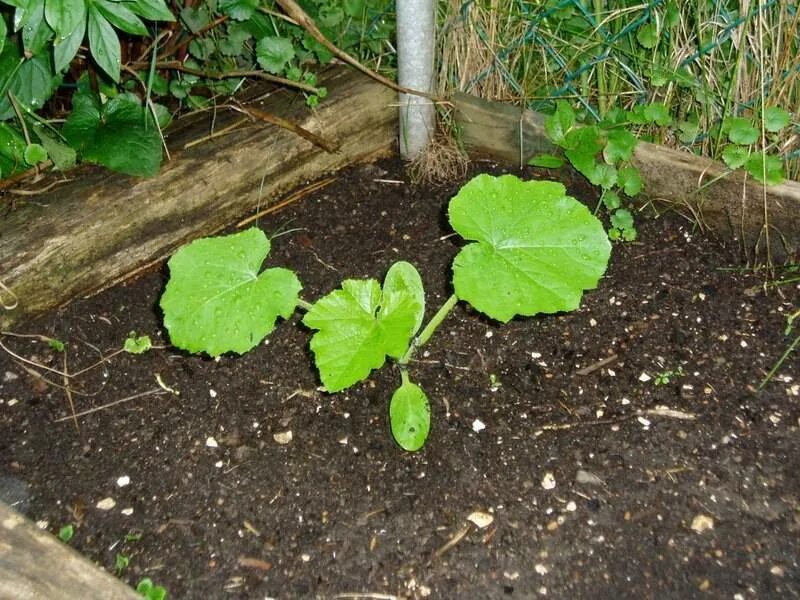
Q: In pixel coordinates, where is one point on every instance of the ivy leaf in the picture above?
(657, 113)
(239, 10)
(776, 118)
(153, 10)
(64, 15)
(104, 43)
(216, 300)
(619, 146)
(359, 325)
(410, 416)
(611, 200)
(120, 135)
(195, 18)
(558, 124)
(121, 17)
(735, 156)
(274, 53)
(766, 168)
(546, 161)
(741, 131)
(535, 249)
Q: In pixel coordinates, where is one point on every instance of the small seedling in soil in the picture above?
(137, 344)
(151, 591)
(664, 377)
(531, 249)
(121, 563)
(56, 345)
(66, 533)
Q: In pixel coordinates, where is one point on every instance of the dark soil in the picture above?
(601, 483)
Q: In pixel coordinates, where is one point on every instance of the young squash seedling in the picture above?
(532, 249)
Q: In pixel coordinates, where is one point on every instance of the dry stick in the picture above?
(156, 391)
(293, 198)
(174, 65)
(598, 365)
(650, 412)
(298, 14)
(261, 115)
(457, 537)
(68, 392)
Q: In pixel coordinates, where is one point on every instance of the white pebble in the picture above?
(212, 393)
(127, 511)
(123, 481)
(106, 504)
(644, 377)
(478, 426)
(480, 519)
(540, 569)
(283, 437)
(702, 523)
(211, 442)
(548, 481)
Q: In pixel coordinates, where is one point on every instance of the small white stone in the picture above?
(211, 442)
(548, 481)
(540, 569)
(478, 426)
(743, 344)
(480, 519)
(624, 402)
(123, 481)
(644, 377)
(219, 464)
(571, 506)
(644, 422)
(424, 591)
(774, 418)
(535, 355)
(489, 333)
(702, 523)
(777, 570)
(127, 511)
(212, 393)
(13, 401)
(343, 441)
(513, 576)
(106, 504)
(43, 524)
(611, 372)
(283, 437)
(592, 322)
(305, 557)
(10, 376)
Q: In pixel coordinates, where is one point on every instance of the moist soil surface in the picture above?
(622, 450)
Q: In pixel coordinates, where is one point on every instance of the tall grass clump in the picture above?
(704, 59)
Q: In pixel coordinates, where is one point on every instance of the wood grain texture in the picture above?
(101, 227)
(34, 565)
(765, 221)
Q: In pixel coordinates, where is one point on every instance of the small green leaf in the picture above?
(622, 219)
(776, 118)
(766, 168)
(410, 416)
(657, 113)
(56, 345)
(688, 131)
(121, 563)
(65, 48)
(735, 156)
(137, 344)
(741, 131)
(630, 180)
(64, 15)
(611, 200)
(359, 325)
(535, 249)
(151, 591)
(619, 146)
(274, 53)
(104, 43)
(66, 533)
(239, 10)
(63, 156)
(216, 300)
(558, 124)
(121, 17)
(546, 161)
(647, 35)
(34, 154)
(196, 19)
(604, 175)
(154, 10)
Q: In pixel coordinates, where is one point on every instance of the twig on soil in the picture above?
(68, 392)
(218, 133)
(299, 194)
(457, 537)
(364, 596)
(153, 392)
(598, 365)
(658, 411)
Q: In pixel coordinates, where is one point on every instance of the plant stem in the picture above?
(303, 305)
(426, 333)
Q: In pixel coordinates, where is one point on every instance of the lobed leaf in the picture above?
(216, 300)
(535, 249)
(359, 324)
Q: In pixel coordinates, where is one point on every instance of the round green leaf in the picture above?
(734, 156)
(35, 153)
(766, 168)
(536, 249)
(647, 35)
(741, 131)
(776, 118)
(410, 416)
(274, 53)
(216, 300)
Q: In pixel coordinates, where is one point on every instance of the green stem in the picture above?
(780, 362)
(426, 334)
(303, 305)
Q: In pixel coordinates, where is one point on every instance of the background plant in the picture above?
(125, 67)
(532, 249)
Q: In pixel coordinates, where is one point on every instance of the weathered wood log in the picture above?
(100, 227)
(35, 565)
(765, 221)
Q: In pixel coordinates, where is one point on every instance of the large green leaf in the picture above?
(776, 118)
(64, 15)
(274, 53)
(559, 123)
(216, 300)
(359, 325)
(536, 249)
(104, 43)
(65, 48)
(410, 416)
(31, 80)
(36, 34)
(121, 17)
(120, 135)
(154, 10)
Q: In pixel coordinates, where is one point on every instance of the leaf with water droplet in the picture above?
(533, 247)
(216, 302)
(410, 416)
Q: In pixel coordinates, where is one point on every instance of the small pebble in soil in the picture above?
(478, 426)
(123, 481)
(548, 481)
(106, 504)
(644, 377)
(211, 442)
(283, 437)
(702, 523)
(480, 519)
(587, 478)
(127, 511)
(540, 569)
